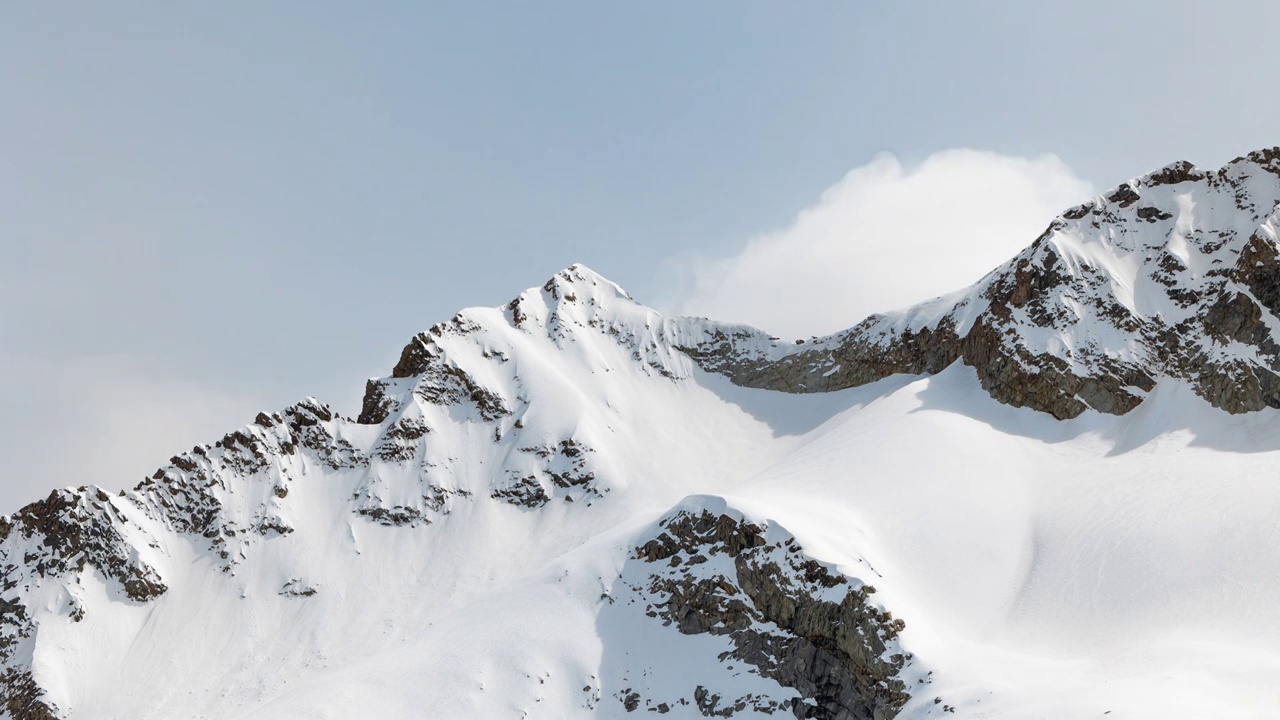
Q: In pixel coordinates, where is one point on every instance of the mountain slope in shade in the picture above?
(572, 506)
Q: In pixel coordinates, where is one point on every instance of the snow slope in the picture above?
(574, 507)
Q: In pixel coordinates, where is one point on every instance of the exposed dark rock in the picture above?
(307, 423)
(75, 530)
(298, 588)
(276, 525)
(1124, 196)
(23, 699)
(376, 405)
(1218, 339)
(832, 651)
(1174, 173)
(1152, 214)
(79, 529)
(433, 501)
(393, 516)
(525, 492)
(1259, 270)
(1057, 329)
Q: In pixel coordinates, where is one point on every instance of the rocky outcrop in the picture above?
(1175, 274)
(74, 529)
(22, 698)
(436, 379)
(786, 615)
(65, 534)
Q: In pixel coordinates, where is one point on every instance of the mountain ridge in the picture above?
(573, 409)
(1062, 327)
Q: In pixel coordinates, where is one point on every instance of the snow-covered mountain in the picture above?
(1172, 275)
(1052, 494)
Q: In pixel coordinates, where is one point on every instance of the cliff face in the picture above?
(787, 616)
(1172, 275)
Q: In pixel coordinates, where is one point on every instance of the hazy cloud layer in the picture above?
(103, 421)
(885, 236)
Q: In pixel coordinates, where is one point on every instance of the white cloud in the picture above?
(102, 421)
(885, 237)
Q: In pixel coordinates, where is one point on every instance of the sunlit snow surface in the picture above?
(1045, 569)
(1126, 566)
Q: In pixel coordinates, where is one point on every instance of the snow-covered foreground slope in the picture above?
(1044, 569)
(1050, 569)
(566, 507)
(469, 531)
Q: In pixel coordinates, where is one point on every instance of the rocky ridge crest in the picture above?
(1173, 275)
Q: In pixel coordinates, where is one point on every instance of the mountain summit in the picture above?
(1018, 500)
(1171, 275)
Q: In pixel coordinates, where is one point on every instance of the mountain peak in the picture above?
(580, 280)
(564, 471)
(1175, 274)
(577, 293)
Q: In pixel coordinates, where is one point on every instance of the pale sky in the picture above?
(208, 209)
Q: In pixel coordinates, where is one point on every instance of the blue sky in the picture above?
(211, 208)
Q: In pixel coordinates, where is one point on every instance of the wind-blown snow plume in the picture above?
(884, 237)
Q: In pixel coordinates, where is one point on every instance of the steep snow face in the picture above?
(506, 441)
(1172, 275)
(571, 506)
